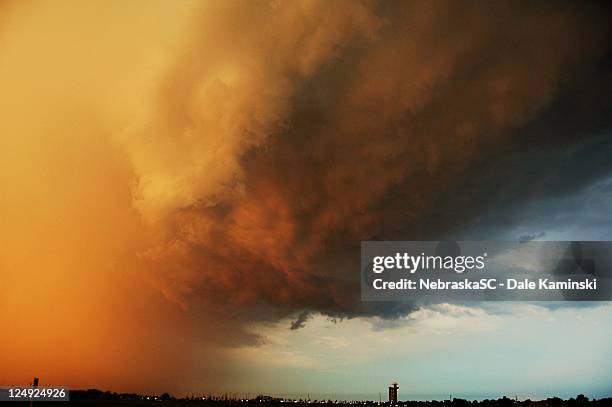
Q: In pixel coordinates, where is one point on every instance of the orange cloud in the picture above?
(229, 156)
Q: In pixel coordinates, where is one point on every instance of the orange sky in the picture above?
(74, 306)
(155, 155)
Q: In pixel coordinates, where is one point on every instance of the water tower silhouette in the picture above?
(393, 393)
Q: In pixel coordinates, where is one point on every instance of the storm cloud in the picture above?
(174, 173)
(285, 133)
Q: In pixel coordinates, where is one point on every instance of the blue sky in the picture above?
(472, 350)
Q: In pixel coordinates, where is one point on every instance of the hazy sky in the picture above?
(181, 181)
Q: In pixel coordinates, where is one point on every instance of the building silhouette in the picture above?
(393, 393)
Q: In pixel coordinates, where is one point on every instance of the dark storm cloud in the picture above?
(300, 321)
(316, 126)
(559, 192)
